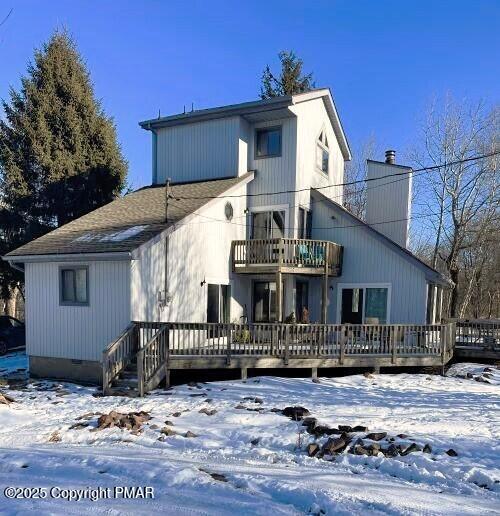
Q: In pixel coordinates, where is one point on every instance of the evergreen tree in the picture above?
(59, 158)
(290, 81)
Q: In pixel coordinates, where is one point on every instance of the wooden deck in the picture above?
(478, 339)
(287, 256)
(162, 347)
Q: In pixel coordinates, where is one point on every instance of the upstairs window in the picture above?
(268, 142)
(74, 285)
(322, 153)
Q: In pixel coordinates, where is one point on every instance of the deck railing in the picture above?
(287, 253)
(478, 334)
(308, 340)
(118, 355)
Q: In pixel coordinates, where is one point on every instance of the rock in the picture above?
(5, 399)
(320, 430)
(488, 370)
(176, 414)
(402, 436)
(295, 413)
(154, 426)
(427, 448)
(469, 375)
(240, 406)
(195, 395)
(276, 410)
(345, 428)
(376, 436)
(359, 428)
(309, 422)
(335, 445)
(315, 380)
(55, 437)
(255, 442)
(390, 451)
(414, 447)
(131, 421)
(368, 375)
(78, 426)
(253, 399)
(208, 400)
(312, 449)
(190, 434)
(168, 431)
(216, 476)
(451, 452)
(88, 415)
(207, 411)
(374, 448)
(168, 423)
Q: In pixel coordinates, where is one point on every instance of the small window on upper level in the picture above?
(268, 142)
(322, 153)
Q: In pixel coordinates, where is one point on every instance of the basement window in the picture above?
(74, 286)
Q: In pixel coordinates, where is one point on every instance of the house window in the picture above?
(268, 224)
(322, 153)
(264, 301)
(74, 285)
(268, 142)
(364, 305)
(302, 301)
(218, 303)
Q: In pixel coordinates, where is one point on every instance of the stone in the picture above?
(414, 447)
(345, 428)
(315, 380)
(176, 414)
(469, 375)
(208, 412)
(312, 449)
(190, 434)
(295, 413)
(253, 399)
(451, 452)
(391, 451)
(276, 410)
(5, 399)
(376, 436)
(359, 428)
(320, 430)
(255, 442)
(373, 448)
(168, 431)
(368, 375)
(240, 406)
(54, 437)
(335, 445)
(169, 423)
(78, 426)
(154, 426)
(427, 448)
(196, 394)
(402, 436)
(309, 422)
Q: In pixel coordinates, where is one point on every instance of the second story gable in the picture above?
(292, 142)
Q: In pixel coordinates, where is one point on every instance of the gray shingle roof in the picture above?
(127, 222)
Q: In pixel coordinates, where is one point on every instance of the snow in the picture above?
(272, 476)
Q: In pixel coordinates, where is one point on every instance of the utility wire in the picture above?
(349, 183)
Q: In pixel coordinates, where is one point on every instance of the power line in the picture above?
(349, 183)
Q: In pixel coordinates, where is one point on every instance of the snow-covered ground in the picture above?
(271, 476)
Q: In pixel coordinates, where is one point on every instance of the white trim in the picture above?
(75, 257)
(272, 207)
(363, 286)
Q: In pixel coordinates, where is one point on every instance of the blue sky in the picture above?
(384, 60)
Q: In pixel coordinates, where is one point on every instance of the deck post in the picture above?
(443, 338)
(140, 372)
(228, 349)
(343, 338)
(244, 373)
(324, 308)
(287, 345)
(167, 357)
(279, 295)
(314, 373)
(394, 334)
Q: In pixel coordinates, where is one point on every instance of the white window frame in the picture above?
(322, 146)
(271, 207)
(363, 286)
(74, 267)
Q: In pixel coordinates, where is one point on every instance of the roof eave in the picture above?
(68, 257)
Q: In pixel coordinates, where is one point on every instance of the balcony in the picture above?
(287, 255)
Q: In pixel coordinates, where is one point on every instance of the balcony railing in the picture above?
(287, 255)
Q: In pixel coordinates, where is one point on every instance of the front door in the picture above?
(264, 301)
(302, 301)
(352, 306)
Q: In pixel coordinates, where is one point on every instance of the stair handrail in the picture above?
(151, 359)
(117, 355)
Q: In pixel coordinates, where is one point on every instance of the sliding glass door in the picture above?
(268, 224)
(364, 305)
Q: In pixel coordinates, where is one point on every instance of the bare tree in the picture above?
(462, 196)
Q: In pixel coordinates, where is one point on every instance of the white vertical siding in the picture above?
(76, 332)
(398, 190)
(198, 151)
(274, 174)
(367, 260)
(199, 252)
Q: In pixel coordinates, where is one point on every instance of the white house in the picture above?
(252, 229)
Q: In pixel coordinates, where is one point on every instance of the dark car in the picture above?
(12, 334)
